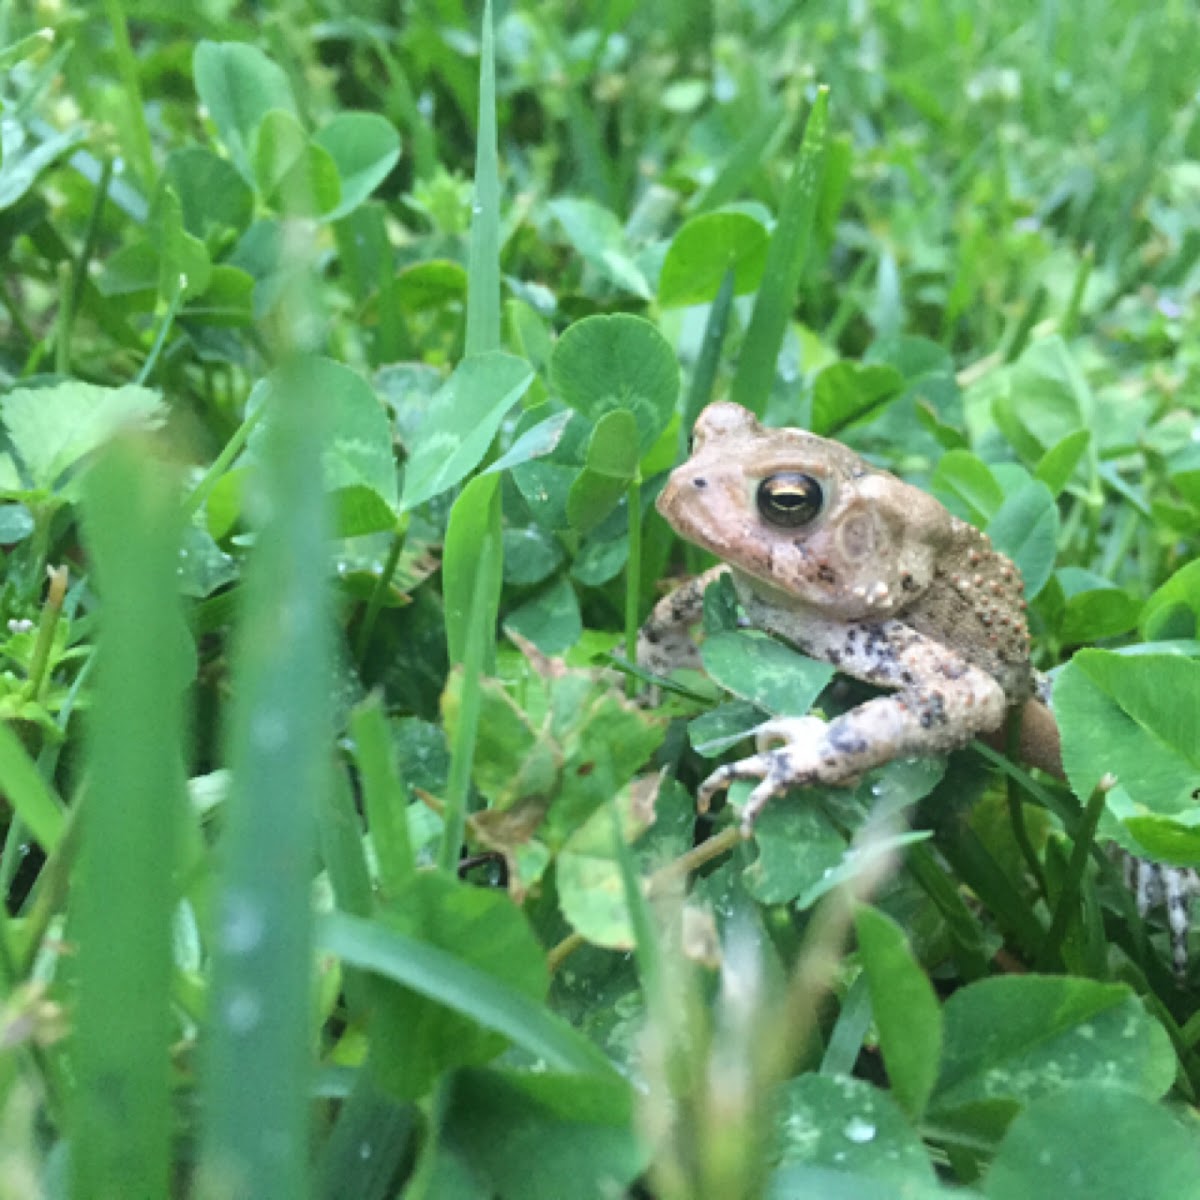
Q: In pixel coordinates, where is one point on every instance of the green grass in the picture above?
(341, 361)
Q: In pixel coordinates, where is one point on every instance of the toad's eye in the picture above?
(790, 499)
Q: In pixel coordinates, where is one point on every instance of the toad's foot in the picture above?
(789, 755)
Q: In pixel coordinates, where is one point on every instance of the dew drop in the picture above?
(859, 1131)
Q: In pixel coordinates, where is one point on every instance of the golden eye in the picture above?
(790, 499)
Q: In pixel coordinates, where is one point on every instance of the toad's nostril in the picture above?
(699, 482)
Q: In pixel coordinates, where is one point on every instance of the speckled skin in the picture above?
(884, 583)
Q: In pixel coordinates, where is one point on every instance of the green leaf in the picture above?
(703, 250)
(239, 85)
(227, 300)
(132, 274)
(1025, 528)
(203, 565)
(1165, 840)
(905, 1008)
(215, 198)
(1087, 1142)
(656, 821)
(798, 847)
(444, 977)
(294, 175)
(530, 555)
(1135, 717)
(1019, 1038)
(850, 1127)
(596, 235)
(803, 855)
(540, 1136)
(612, 463)
(1058, 464)
(1042, 399)
(1095, 608)
(600, 559)
(51, 430)
(415, 1037)
(551, 619)
(536, 442)
(124, 897)
(966, 485)
(460, 423)
(603, 364)
(183, 262)
(364, 148)
(16, 523)
(844, 392)
(712, 733)
(792, 1180)
(516, 762)
(785, 264)
(357, 465)
(1173, 610)
(765, 672)
(545, 486)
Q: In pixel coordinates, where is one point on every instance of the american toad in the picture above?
(857, 568)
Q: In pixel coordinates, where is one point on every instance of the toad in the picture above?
(855, 567)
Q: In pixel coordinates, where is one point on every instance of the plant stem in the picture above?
(51, 612)
(224, 460)
(160, 338)
(382, 582)
(633, 577)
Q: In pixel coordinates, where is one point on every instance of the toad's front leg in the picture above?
(942, 701)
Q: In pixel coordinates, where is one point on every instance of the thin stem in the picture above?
(62, 326)
(224, 460)
(633, 576)
(382, 582)
(163, 330)
(69, 307)
(51, 612)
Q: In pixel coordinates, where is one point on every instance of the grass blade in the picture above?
(450, 981)
(471, 580)
(257, 1065)
(483, 264)
(785, 262)
(124, 895)
(34, 803)
(384, 796)
(704, 375)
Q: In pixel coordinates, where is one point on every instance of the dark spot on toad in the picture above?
(846, 741)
